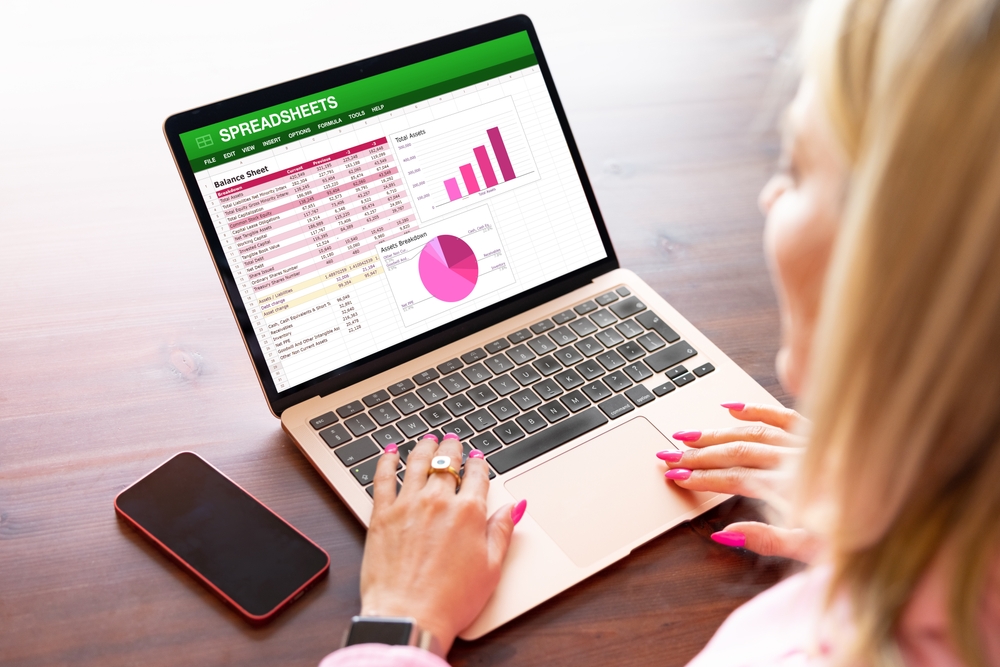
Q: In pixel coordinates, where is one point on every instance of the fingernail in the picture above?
(672, 456)
(687, 436)
(475, 454)
(730, 538)
(430, 436)
(517, 511)
(451, 436)
(678, 474)
(391, 448)
(735, 407)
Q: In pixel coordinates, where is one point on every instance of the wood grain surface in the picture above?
(117, 348)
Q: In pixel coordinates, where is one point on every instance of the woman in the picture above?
(883, 233)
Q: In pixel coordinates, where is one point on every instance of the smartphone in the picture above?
(242, 551)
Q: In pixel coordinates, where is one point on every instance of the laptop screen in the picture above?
(359, 217)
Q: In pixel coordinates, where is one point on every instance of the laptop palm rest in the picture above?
(605, 494)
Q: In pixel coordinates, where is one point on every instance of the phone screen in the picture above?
(245, 551)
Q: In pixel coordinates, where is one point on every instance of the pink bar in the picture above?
(469, 176)
(506, 170)
(484, 166)
(451, 185)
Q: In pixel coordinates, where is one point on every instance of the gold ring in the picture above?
(443, 464)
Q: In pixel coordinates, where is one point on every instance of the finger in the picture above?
(734, 455)
(737, 481)
(451, 447)
(770, 540)
(761, 433)
(384, 486)
(476, 478)
(417, 464)
(499, 529)
(772, 415)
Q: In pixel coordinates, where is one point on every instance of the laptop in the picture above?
(410, 244)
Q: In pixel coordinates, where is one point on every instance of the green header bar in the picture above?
(283, 123)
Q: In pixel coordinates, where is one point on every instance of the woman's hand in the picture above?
(756, 461)
(431, 553)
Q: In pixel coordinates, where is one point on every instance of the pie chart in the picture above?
(448, 268)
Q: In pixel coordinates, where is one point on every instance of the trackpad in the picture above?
(605, 494)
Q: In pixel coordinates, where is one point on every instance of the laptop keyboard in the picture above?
(524, 395)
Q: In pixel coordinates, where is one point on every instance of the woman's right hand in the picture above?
(758, 461)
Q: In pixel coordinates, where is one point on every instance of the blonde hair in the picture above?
(904, 379)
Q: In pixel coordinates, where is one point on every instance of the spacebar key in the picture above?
(558, 434)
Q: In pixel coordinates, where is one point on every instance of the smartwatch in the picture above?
(395, 631)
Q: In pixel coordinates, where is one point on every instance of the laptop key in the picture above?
(616, 406)
(664, 388)
(590, 369)
(639, 395)
(455, 383)
(449, 366)
(542, 327)
(610, 360)
(575, 401)
(676, 371)
(511, 457)
(526, 375)
(436, 416)
(481, 420)
(652, 321)
(384, 414)
(352, 408)
(562, 336)
(547, 365)
(365, 472)
(360, 424)
(629, 328)
(408, 403)
(509, 432)
(704, 370)
(589, 347)
(427, 376)
(597, 391)
(405, 449)
(683, 379)
(564, 317)
(357, 451)
(569, 379)
(531, 422)
(335, 436)
(605, 299)
(519, 336)
(459, 428)
(548, 389)
(324, 419)
(603, 318)
(411, 426)
(380, 396)
(631, 351)
(459, 405)
(583, 327)
(542, 345)
(525, 399)
(504, 385)
(585, 307)
(520, 354)
(650, 341)
(387, 435)
(554, 411)
(609, 337)
(670, 356)
(487, 443)
(499, 363)
(504, 410)
(400, 387)
(568, 356)
(474, 356)
(618, 381)
(477, 373)
(623, 291)
(638, 371)
(628, 307)
(432, 393)
(497, 346)
(482, 395)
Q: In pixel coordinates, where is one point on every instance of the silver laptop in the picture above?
(410, 244)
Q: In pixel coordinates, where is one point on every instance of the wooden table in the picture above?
(117, 348)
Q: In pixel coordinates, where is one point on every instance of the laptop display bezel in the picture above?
(420, 344)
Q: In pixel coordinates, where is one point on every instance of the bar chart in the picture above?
(460, 159)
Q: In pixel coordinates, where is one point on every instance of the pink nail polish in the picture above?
(678, 474)
(451, 436)
(735, 407)
(730, 538)
(430, 436)
(670, 455)
(517, 511)
(391, 448)
(687, 436)
(475, 454)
